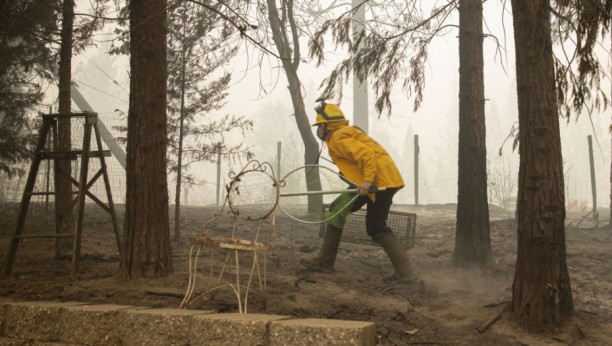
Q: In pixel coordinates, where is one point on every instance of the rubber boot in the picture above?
(404, 273)
(324, 262)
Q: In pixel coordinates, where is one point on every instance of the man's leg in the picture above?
(328, 252)
(376, 226)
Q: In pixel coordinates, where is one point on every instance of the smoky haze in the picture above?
(260, 93)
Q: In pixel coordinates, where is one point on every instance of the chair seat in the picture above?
(231, 243)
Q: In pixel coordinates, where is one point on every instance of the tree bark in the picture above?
(541, 292)
(472, 241)
(64, 216)
(290, 66)
(147, 249)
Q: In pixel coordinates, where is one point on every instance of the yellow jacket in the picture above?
(360, 158)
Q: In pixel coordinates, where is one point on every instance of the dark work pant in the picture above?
(377, 213)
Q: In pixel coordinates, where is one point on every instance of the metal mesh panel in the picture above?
(402, 224)
(11, 189)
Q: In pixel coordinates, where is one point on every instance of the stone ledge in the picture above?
(231, 329)
(156, 327)
(15, 342)
(79, 324)
(90, 324)
(34, 320)
(322, 332)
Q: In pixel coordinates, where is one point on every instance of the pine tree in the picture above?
(472, 240)
(542, 294)
(147, 250)
(26, 31)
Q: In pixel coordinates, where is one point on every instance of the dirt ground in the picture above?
(448, 307)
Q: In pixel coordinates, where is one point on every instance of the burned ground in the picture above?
(448, 306)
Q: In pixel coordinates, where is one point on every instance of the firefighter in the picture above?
(366, 163)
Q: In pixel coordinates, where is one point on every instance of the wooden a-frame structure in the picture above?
(49, 127)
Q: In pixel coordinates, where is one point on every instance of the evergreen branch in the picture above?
(26, 29)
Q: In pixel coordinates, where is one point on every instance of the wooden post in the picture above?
(218, 176)
(593, 183)
(416, 169)
(278, 169)
(76, 256)
(25, 199)
(109, 195)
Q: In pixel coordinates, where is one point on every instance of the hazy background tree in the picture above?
(26, 31)
(310, 15)
(147, 248)
(197, 47)
(285, 35)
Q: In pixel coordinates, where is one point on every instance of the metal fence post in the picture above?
(416, 169)
(218, 176)
(593, 183)
(48, 173)
(278, 169)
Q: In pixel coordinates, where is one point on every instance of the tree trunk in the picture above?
(311, 146)
(64, 216)
(360, 90)
(179, 160)
(472, 241)
(541, 292)
(147, 249)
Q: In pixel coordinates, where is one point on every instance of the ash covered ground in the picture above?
(449, 306)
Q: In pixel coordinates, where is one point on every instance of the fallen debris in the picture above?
(166, 294)
(388, 289)
(563, 341)
(423, 342)
(490, 322)
(492, 305)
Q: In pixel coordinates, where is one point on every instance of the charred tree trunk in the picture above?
(472, 241)
(541, 292)
(64, 216)
(290, 66)
(147, 249)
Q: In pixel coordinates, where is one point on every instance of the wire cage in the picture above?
(402, 224)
